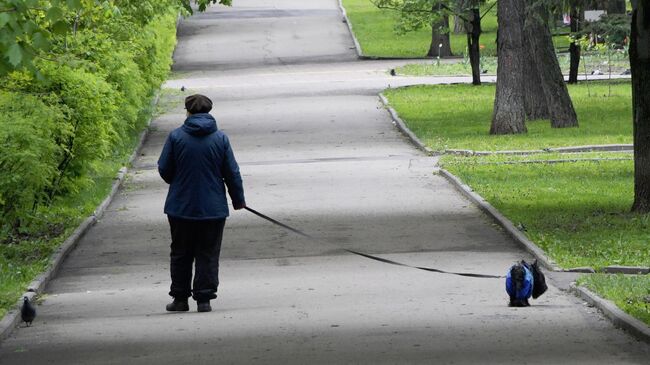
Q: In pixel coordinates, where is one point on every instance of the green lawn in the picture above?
(459, 116)
(630, 293)
(374, 29)
(590, 62)
(578, 212)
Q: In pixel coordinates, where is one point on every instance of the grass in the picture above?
(630, 293)
(374, 29)
(22, 261)
(459, 116)
(592, 61)
(577, 212)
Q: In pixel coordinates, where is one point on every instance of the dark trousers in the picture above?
(198, 243)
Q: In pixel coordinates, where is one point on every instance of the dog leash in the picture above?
(368, 256)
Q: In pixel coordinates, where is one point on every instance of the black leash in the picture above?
(386, 261)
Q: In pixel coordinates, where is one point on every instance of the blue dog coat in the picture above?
(526, 291)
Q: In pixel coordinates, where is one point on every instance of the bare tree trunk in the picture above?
(459, 27)
(473, 46)
(534, 97)
(574, 48)
(459, 24)
(640, 66)
(558, 101)
(440, 36)
(509, 113)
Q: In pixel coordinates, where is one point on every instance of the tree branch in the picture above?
(488, 10)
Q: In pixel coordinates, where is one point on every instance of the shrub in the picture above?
(29, 130)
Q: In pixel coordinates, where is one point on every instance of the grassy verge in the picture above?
(578, 212)
(630, 293)
(374, 29)
(590, 62)
(458, 117)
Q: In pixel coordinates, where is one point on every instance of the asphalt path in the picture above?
(317, 151)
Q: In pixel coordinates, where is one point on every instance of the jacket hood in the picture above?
(200, 124)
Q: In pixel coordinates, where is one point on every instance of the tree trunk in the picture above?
(509, 114)
(560, 107)
(640, 66)
(574, 48)
(473, 37)
(459, 27)
(459, 24)
(440, 36)
(534, 97)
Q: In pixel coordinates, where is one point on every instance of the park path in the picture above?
(317, 151)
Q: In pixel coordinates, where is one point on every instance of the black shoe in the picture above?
(203, 307)
(178, 305)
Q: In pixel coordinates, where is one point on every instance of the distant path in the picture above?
(316, 151)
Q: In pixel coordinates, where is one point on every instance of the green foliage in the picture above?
(417, 14)
(37, 29)
(69, 120)
(30, 154)
(613, 29)
(82, 108)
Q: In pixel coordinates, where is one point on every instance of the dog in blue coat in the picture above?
(524, 280)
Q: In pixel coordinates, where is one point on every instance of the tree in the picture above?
(640, 67)
(509, 114)
(542, 52)
(466, 12)
(418, 14)
(574, 47)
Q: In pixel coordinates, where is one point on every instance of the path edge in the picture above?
(399, 123)
(499, 218)
(12, 318)
(346, 20)
(615, 314)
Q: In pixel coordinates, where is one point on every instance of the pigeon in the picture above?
(27, 312)
(392, 72)
(182, 88)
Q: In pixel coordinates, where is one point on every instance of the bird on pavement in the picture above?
(27, 312)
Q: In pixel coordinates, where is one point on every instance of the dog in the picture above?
(523, 281)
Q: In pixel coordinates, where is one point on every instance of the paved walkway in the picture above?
(316, 150)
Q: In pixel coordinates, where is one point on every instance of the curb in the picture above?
(619, 318)
(399, 123)
(346, 20)
(504, 222)
(12, 318)
(571, 149)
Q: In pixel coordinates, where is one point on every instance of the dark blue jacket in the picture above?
(198, 163)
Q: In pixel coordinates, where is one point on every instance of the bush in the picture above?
(30, 153)
(85, 107)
